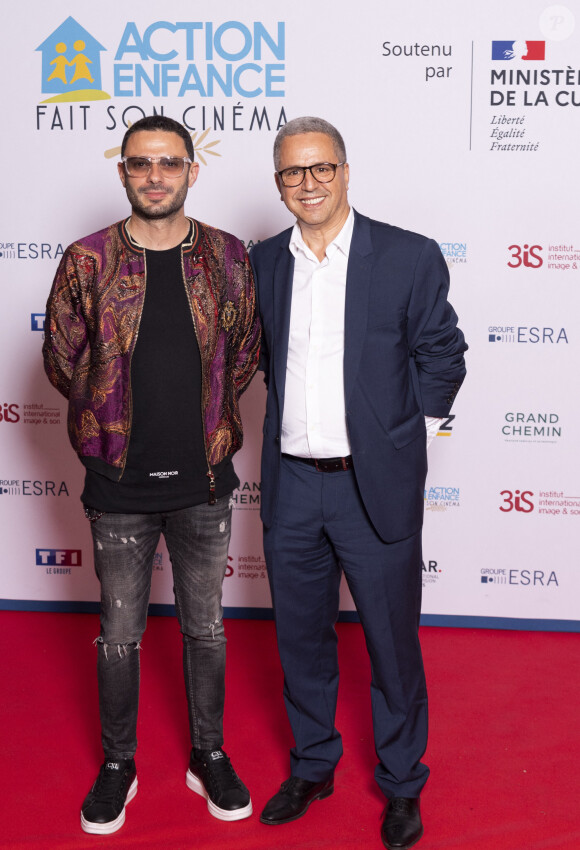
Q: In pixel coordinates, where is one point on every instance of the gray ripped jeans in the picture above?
(197, 539)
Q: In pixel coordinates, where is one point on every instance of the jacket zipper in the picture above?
(131, 365)
(212, 497)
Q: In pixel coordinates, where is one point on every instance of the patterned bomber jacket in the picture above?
(93, 314)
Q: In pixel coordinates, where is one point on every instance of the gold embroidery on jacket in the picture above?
(228, 316)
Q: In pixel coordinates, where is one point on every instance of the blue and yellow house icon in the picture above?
(71, 64)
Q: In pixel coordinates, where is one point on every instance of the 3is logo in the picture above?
(529, 256)
(9, 413)
(516, 500)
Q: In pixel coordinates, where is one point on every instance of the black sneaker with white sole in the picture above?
(103, 810)
(212, 776)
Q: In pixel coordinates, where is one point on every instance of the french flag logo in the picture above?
(532, 51)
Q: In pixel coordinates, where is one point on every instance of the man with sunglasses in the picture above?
(152, 336)
(359, 347)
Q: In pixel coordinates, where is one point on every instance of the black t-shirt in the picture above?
(166, 465)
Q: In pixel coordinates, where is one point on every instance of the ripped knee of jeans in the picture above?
(212, 626)
(209, 632)
(122, 649)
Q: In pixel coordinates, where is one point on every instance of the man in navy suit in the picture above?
(362, 356)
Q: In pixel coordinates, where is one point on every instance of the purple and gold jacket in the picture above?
(93, 315)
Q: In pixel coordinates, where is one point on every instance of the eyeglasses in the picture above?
(169, 166)
(323, 172)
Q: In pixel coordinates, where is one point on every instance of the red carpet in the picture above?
(505, 740)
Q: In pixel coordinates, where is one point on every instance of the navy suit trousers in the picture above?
(322, 529)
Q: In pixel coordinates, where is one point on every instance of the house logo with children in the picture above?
(71, 65)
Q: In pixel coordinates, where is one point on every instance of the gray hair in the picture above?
(309, 124)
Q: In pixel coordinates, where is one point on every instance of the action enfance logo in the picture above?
(232, 59)
(71, 65)
(455, 253)
(193, 62)
(441, 498)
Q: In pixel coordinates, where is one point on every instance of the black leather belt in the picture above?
(327, 464)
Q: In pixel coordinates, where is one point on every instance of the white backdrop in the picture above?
(460, 123)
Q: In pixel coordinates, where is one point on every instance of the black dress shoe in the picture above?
(293, 799)
(402, 825)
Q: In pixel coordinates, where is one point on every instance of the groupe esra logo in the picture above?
(526, 255)
(10, 487)
(527, 334)
(30, 250)
(525, 577)
(28, 487)
(517, 500)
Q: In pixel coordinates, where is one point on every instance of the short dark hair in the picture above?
(309, 124)
(159, 122)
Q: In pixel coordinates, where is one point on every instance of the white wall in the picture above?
(422, 134)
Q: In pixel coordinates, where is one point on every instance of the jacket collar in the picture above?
(189, 245)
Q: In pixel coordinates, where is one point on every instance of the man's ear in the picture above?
(278, 184)
(193, 173)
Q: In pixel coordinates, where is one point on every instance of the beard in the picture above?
(173, 203)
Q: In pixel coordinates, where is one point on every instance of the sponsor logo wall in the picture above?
(459, 124)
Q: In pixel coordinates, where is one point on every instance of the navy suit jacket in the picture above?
(403, 359)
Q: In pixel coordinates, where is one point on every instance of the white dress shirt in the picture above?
(314, 418)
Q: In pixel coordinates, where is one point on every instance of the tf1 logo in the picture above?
(59, 557)
(517, 500)
(528, 256)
